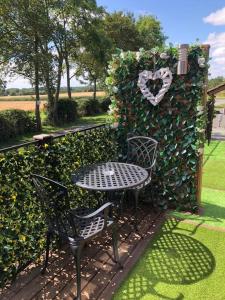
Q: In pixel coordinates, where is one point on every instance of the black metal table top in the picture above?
(110, 176)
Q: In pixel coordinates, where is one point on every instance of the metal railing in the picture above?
(51, 137)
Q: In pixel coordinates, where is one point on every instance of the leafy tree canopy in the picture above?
(150, 31)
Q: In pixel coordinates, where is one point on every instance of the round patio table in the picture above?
(109, 176)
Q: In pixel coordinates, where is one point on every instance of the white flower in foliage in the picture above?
(138, 55)
(111, 110)
(164, 55)
(115, 89)
(122, 55)
(200, 108)
(110, 69)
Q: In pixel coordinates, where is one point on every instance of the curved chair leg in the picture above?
(115, 243)
(136, 197)
(48, 241)
(77, 256)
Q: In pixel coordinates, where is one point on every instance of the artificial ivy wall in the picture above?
(177, 122)
(22, 229)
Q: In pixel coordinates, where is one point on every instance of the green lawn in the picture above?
(180, 263)
(214, 166)
(213, 202)
(213, 192)
(186, 260)
(218, 106)
(220, 95)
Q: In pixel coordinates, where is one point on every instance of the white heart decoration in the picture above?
(164, 74)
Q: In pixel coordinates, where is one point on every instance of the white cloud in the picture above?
(217, 63)
(216, 18)
(219, 52)
(18, 82)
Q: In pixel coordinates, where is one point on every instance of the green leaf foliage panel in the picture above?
(22, 229)
(178, 122)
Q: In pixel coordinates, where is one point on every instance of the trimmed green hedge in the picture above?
(15, 122)
(178, 122)
(82, 106)
(89, 106)
(66, 111)
(21, 221)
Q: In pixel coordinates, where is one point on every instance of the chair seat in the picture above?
(90, 228)
(74, 226)
(87, 227)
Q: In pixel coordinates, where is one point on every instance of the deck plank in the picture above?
(97, 267)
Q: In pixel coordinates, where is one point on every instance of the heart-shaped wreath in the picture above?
(164, 74)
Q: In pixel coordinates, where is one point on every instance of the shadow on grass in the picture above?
(213, 215)
(214, 212)
(173, 258)
(207, 156)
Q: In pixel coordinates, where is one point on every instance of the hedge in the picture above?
(15, 122)
(82, 106)
(178, 122)
(89, 106)
(66, 111)
(21, 221)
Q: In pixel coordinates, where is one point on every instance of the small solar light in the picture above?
(182, 59)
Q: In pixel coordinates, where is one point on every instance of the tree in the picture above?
(21, 30)
(128, 34)
(94, 51)
(85, 56)
(150, 32)
(93, 59)
(122, 31)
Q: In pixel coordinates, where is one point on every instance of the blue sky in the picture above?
(183, 21)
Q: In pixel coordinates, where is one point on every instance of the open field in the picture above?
(28, 103)
(44, 97)
(25, 105)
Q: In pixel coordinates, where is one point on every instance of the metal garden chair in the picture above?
(74, 226)
(142, 152)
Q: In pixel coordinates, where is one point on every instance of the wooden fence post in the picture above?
(204, 101)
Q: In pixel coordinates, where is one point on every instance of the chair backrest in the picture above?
(142, 152)
(53, 198)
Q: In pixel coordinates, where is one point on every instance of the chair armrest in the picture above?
(104, 207)
(56, 183)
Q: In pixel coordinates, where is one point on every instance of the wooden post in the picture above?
(182, 65)
(205, 48)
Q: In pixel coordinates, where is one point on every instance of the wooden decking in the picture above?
(100, 275)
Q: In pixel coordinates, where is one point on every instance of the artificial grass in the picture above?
(186, 261)
(214, 174)
(182, 262)
(214, 151)
(213, 202)
(213, 192)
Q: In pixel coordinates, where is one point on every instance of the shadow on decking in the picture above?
(98, 269)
